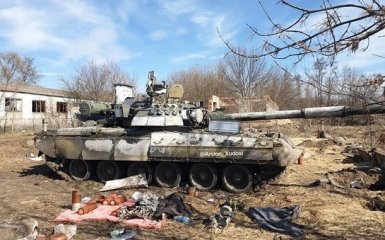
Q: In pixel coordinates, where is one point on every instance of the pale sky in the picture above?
(142, 35)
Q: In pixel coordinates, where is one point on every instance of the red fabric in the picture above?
(102, 213)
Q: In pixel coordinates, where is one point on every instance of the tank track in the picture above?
(265, 175)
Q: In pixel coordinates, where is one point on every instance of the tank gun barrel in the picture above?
(316, 112)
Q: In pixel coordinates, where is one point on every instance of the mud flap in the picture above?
(285, 155)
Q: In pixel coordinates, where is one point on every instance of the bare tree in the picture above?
(16, 69)
(321, 77)
(95, 82)
(280, 88)
(360, 88)
(244, 75)
(200, 83)
(336, 32)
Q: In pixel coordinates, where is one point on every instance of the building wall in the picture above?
(26, 119)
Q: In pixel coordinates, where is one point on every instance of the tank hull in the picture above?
(183, 150)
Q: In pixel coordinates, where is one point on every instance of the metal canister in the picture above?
(76, 198)
(301, 159)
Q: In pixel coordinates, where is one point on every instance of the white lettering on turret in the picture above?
(221, 154)
(235, 153)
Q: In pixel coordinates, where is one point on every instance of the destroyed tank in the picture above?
(172, 141)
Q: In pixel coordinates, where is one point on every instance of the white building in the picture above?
(23, 107)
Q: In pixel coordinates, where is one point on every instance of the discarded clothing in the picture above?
(137, 211)
(278, 219)
(224, 217)
(220, 220)
(172, 205)
(148, 199)
(145, 206)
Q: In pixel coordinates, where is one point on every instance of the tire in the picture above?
(80, 170)
(167, 175)
(107, 170)
(203, 176)
(136, 168)
(237, 178)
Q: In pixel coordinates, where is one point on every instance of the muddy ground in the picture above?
(329, 211)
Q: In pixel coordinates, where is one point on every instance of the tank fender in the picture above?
(132, 149)
(96, 149)
(284, 154)
(69, 148)
(47, 146)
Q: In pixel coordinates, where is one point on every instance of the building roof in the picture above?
(23, 88)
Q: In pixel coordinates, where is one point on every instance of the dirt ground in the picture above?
(328, 211)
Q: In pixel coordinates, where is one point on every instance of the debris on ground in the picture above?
(226, 212)
(321, 181)
(182, 219)
(86, 200)
(278, 219)
(58, 236)
(376, 204)
(128, 182)
(111, 199)
(122, 234)
(223, 218)
(366, 178)
(320, 145)
(34, 158)
(360, 184)
(88, 207)
(309, 143)
(103, 212)
(172, 205)
(140, 211)
(69, 230)
(76, 200)
(25, 229)
(379, 158)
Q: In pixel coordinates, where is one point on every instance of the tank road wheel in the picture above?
(136, 168)
(167, 175)
(237, 178)
(107, 170)
(80, 170)
(203, 176)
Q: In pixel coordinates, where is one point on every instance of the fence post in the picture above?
(44, 122)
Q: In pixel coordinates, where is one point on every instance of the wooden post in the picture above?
(44, 122)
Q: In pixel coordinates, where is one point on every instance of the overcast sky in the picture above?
(141, 35)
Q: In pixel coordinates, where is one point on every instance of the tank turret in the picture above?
(162, 108)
